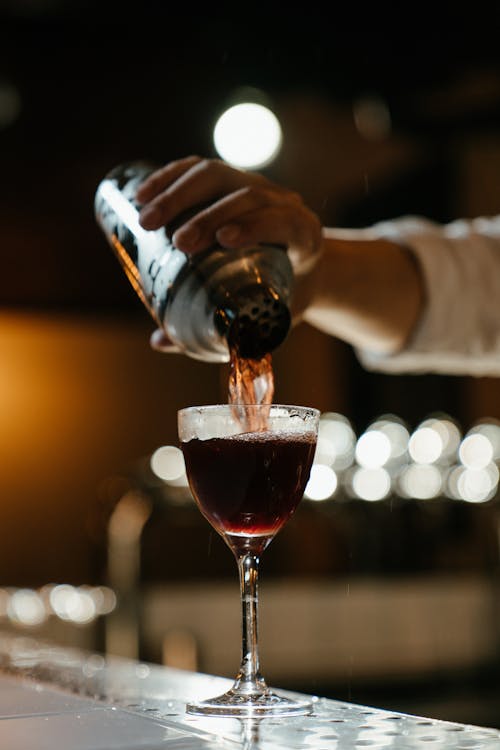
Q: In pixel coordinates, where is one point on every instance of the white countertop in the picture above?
(64, 699)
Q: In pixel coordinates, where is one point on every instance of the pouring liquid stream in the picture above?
(251, 382)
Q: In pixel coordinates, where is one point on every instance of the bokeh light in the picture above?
(322, 483)
(477, 485)
(336, 441)
(78, 605)
(373, 449)
(421, 481)
(372, 117)
(396, 432)
(248, 135)
(371, 484)
(476, 451)
(167, 463)
(26, 607)
(425, 445)
(449, 433)
(491, 431)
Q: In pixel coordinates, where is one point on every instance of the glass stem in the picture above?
(249, 679)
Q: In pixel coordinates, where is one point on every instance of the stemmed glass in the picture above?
(247, 467)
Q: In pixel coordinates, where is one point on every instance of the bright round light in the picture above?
(477, 485)
(247, 135)
(72, 604)
(398, 437)
(491, 431)
(451, 486)
(167, 463)
(371, 484)
(325, 451)
(26, 607)
(322, 483)
(337, 439)
(448, 432)
(373, 449)
(425, 446)
(476, 451)
(421, 481)
(104, 599)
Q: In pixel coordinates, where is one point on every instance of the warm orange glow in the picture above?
(81, 398)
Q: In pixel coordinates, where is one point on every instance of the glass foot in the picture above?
(238, 704)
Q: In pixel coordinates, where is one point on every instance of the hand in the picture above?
(239, 208)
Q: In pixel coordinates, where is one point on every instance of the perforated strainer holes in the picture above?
(260, 321)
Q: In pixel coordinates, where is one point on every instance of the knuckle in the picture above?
(295, 197)
(186, 160)
(151, 180)
(217, 166)
(255, 194)
(204, 165)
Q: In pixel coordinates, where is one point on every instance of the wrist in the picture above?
(307, 284)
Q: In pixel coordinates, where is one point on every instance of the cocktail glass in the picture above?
(247, 467)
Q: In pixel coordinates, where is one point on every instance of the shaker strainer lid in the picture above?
(256, 322)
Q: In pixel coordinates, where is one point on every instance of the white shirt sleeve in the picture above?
(459, 331)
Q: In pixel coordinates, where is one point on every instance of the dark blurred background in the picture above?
(83, 398)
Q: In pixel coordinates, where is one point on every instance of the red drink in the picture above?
(248, 485)
(248, 466)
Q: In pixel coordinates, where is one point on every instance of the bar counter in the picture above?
(55, 697)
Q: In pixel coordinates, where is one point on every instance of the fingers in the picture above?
(239, 209)
(296, 229)
(161, 178)
(243, 206)
(265, 225)
(186, 184)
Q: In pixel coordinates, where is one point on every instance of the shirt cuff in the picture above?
(459, 330)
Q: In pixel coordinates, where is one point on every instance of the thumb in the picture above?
(160, 342)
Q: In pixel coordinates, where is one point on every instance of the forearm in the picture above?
(367, 291)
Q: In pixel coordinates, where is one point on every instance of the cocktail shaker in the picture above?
(207, 303)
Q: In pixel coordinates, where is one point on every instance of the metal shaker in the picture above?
(209, 302)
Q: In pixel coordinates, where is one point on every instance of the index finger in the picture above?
(163, 177)
(203, 182)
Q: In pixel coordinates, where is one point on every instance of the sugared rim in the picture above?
(212, 407)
